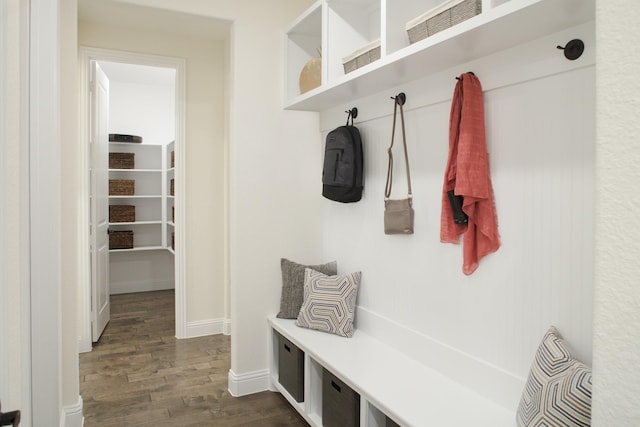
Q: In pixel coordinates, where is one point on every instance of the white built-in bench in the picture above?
(395, 383)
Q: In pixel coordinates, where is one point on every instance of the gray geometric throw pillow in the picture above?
(558, 389)
(293, 285)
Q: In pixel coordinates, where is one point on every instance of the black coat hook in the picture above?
(352, 114)
(468, 72)
(400, 98)
(573, 50)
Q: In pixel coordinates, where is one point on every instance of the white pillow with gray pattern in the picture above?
(558, 389)
(329, 302)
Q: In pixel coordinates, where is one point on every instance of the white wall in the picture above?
(616, 343)
(14, 317)
(540, 138)
(146, 110)
(204, 147)
(72, 210)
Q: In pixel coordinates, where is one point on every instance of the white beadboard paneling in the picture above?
(539, 118)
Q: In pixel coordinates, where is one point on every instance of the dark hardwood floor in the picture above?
(138, 374)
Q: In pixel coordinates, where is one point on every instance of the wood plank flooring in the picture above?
(140, 375)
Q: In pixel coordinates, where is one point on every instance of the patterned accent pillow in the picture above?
(558, 389)
(293, 285)
(329, 302)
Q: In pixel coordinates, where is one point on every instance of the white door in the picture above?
(99, 143)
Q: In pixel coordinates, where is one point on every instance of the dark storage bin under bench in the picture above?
(364, 382)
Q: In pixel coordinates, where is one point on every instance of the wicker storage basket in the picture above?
(441, 17)
(121, 239)
(122, 187)
(172, 188)
(173, 159)
(361, 57)
(173, 214)
(173, 240)
(121, 160)
(122, 213)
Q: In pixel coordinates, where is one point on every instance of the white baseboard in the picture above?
(140, 286)
(84, 346)
(72, 415)
(249, 383)
(201, 328)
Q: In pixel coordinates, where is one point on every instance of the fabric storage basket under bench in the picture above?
(291, 368)
(441, 17)
(340, 404)
(361, 57)
(120, 239)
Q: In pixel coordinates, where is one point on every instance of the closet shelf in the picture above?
(139, 248)
(135, 223)
(135, 170)
(136, 196)
(497, 28)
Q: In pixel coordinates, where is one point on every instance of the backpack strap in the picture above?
(398, 102)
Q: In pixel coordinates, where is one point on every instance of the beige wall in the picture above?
(273, 195)
(71, 205)
(616, 343)
(205, 155)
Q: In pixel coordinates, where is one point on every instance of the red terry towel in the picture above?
(467, 173)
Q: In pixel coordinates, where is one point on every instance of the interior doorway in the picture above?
(157, 259)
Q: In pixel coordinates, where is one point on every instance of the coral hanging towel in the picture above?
(470, 208)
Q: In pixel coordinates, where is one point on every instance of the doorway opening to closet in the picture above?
(134, 189)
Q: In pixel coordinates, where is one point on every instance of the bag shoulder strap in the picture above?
(398, 102)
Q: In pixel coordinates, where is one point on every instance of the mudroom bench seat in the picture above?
(394, 388)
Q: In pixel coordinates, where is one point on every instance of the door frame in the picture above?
(88, 54)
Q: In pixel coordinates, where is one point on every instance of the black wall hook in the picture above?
(352, 114)
(468, 72)
(400, 98)
(573, 50)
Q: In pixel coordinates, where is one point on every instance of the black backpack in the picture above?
(343, 163)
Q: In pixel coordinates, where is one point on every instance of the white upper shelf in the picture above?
(506, 25)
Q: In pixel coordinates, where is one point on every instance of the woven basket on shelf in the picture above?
(121, 239)
(122, 187)
(121, 160)
(441, 17)
(173, 240)
(363, 56)
(122, 213)
(173, 159)
(172, 188)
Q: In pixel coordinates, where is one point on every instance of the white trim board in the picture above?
(43, 213)
(72, 415)
(249, 383)
(201, 328)
(87, 54)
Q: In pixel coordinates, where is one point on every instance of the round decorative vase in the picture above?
(310, 75)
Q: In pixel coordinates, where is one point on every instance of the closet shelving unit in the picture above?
(169, 204)
(149, 198)
(337, 28)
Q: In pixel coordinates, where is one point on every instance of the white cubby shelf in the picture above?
(337, 28)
